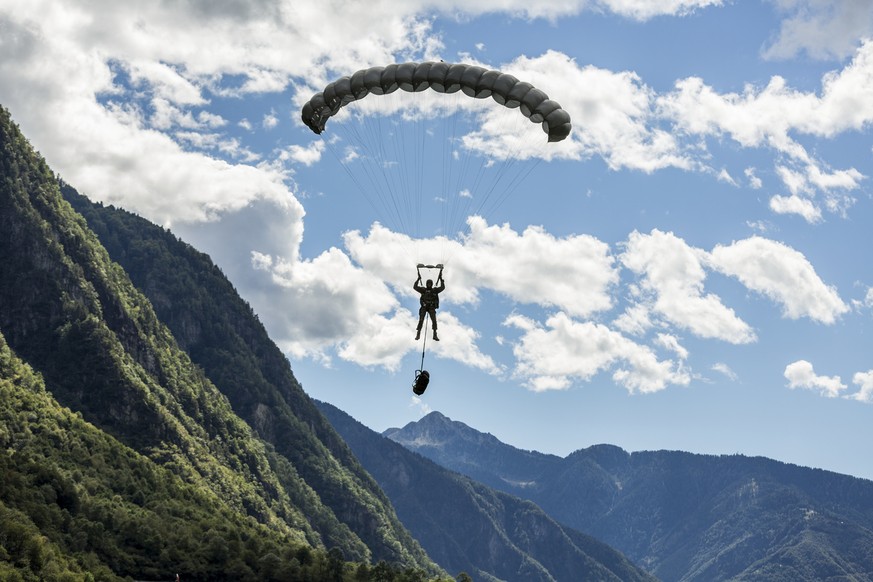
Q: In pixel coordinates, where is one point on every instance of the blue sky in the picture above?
(688, 270)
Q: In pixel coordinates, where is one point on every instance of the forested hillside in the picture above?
(93, 347)
(75, 502)
(222, 335)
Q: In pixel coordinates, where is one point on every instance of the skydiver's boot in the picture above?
(418, 333)
(435, 338)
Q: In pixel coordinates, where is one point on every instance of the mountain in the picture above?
(683, 517)
(466, 526)
(76, 504)
(222, 335)
(140, 461)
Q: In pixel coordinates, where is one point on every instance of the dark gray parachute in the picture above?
(441, 77)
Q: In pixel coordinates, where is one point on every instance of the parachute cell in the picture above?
(441, 77)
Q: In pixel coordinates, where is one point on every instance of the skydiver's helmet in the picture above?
(422, 379)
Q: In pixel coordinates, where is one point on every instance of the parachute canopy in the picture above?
(441, 77)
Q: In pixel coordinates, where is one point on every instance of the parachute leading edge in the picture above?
(441, 77)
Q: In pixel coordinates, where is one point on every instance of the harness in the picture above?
(430, 299)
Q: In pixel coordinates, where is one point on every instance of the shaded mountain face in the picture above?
(466, 526)
(681, 516)
(222, 335)
(257, 447)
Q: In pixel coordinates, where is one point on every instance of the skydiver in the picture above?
(430, 302)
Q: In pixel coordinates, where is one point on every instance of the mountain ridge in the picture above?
(466, 525)
(681, 516)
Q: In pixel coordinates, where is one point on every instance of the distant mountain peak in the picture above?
(437, 431)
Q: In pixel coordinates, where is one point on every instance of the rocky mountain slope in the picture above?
(467, 526)
(681, 516)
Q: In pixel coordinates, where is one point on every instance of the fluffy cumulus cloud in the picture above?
(327, 300)
(864, 381)
(672, 277)
(795, 204)
(141, 76)
(612, 114)
(576, 273)
(782, 274)
(671, 284)
(551, 356)
(769, 116)
(823, 29)
(358, 302)
(126, 113)
(332, 305)
(645, 9)
(800, 374)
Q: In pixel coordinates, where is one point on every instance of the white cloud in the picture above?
(306, 155)
(458, 343)
(795, 181)
(865, 381)
(794, 204)
(612, 113)
(755, 182)
(421, 405)
(329, 303)
(768, 117)
(107, 150)
(725, 370)
(164, 82)
(635, 320)
(120, 154)
(575, 274)
(550, 357)
(800, 374)
(671, 343)
(783, 275)
(166, 115)
(270, 120)
(150, 57)
(803, 184)
(673, 273)
(645, 9)
(824, 29)
(725, 176)
(324, 302)
(125, 94)
(217, 142)
(759, 225)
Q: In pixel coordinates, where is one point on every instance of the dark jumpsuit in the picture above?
(430, 302)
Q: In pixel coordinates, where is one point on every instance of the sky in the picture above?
(688, 270)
